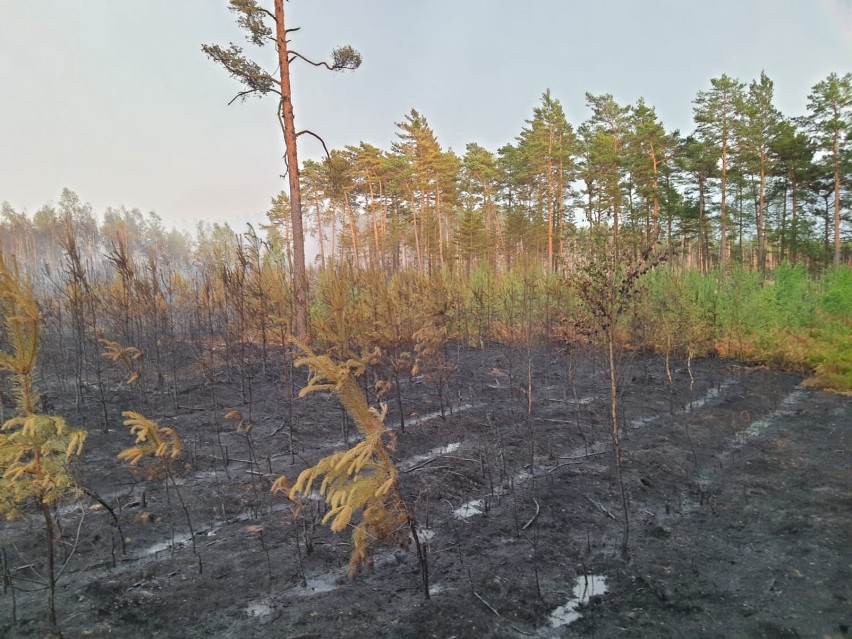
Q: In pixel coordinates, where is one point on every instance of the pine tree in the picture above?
(427, 176)
(480, 227)
(359, 483)
(794, 151)
(830, 124)
(35, 449)
(162, 444)
(604, 138)
(698, 159)
(651, 149)
(715, 114)
(262, 27)
(369, 169)
(547, 145)
(756, 131)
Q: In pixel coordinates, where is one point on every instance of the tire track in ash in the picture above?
(715, 431)
(477, 505)
(754, 430)
(756, 535)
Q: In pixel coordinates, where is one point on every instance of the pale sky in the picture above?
(115, 100)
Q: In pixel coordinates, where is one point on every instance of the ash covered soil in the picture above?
(739, 493)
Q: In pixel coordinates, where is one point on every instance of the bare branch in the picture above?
(343, 58)
(295, 54)
(325, 148)
(241, 96)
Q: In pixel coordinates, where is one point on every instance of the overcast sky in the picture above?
(115, 100)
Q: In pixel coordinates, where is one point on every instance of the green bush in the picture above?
(790, 319)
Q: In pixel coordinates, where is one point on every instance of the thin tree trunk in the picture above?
(703, 238)
(793, 222)
(416, 235)
(51, 572)
(761, 240)
(378, 256)
(550, 262)
(333, 234)
(319, 230)
(353, 231)
(836, 199)
(440, 226)
(616, 440)
(723, 212)
(656, 205)
(783, 250)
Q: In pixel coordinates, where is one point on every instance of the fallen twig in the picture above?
(516, 629)
(601, 507)
(472, 461)
(194, 409)
(421, 464)
(601, 452)
(574, 460)
(533, 518)
(435, 468)
(487, 605)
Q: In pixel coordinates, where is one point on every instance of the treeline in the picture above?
(748, 185)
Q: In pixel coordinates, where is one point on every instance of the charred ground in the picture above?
(739, 492)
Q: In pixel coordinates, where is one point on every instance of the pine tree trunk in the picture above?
(656, 202)
(550, 262)
(793, 223)
(836, 199)
(783, 247)
(761, 214)
(300, 280)
(703, 239)
(723, 219)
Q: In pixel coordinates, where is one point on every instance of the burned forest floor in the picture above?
(739, 491)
